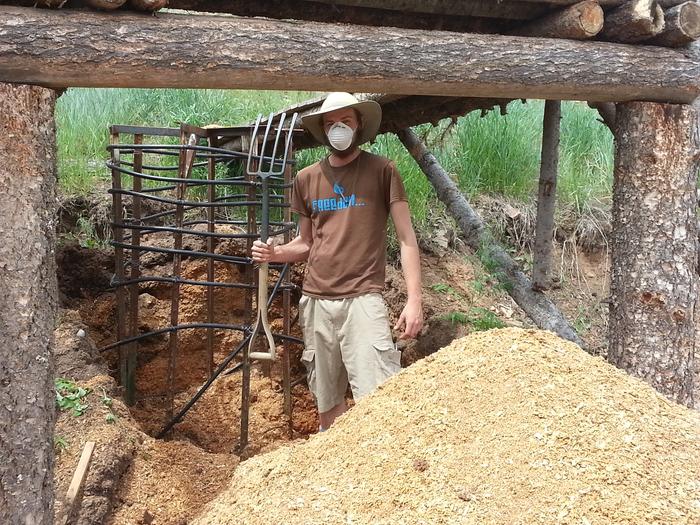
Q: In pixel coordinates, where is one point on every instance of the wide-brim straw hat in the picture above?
(371, 117)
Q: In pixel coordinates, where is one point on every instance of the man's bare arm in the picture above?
(411, 319)
(296, 250)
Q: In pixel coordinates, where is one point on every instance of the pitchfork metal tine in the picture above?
(277, 139)
(253, 137)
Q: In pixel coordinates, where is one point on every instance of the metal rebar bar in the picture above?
(130, 385)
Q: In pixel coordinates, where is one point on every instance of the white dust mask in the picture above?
(340, 136)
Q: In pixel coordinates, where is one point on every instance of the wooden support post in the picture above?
(211, 264)
(546, 196)
(654, 246)
(28, 306)
(535, 304)
(132, 348)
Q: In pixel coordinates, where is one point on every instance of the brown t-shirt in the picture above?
(348, 207)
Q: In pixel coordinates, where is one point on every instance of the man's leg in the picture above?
(368, 350)
(326, 419)
(326, 374)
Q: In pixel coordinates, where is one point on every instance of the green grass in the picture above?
(494, 154)
(478, 318)
(501, 154)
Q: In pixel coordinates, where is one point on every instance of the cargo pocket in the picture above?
(388, 356)
(308, 357)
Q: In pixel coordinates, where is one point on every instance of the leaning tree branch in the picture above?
(535, 304)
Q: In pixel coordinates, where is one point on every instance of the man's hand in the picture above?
(411, 320)
(262, 252)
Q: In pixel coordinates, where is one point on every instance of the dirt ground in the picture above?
(136, 479)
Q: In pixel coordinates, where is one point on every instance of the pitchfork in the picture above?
(267, 166)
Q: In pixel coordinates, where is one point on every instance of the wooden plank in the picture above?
(62, 48)
(79, 477)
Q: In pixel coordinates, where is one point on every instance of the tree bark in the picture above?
(654, 246)
(633, 22)
(60, 48)
(535, 304)
(105, 5)
(682, 26)
(28, 307)
(579, 22)
(479, 8)
(546, 196)
(607, 112)
(148, 5)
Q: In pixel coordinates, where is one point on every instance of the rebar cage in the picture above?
(192, 183)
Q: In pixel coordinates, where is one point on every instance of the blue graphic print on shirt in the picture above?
(335, 204)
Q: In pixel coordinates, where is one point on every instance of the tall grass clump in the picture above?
(83, 117)
(495, 154)
(500, 154)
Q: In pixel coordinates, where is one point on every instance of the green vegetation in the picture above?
(446, 289)
(478, 318)
(59, 443)
(70, 396)
(494, 154)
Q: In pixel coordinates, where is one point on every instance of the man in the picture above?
(343, 203)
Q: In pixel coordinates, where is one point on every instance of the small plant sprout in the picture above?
(70, 396)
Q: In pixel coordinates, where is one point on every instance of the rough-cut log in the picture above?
(148, 5)
(321, 12)
(61, 48)
(635, 21)
(682, 26)
(579, 22)
(546, 196)
(28, 305)
(482, 8)
(535, 304)
(654, 246)
(105, 5)
(605, 3)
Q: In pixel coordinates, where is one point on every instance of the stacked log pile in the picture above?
(668, 23)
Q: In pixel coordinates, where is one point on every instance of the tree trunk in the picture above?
(28, 307)
(654, 246)
(61, 48)
(546, 196)
(580, 21)
(535, 304)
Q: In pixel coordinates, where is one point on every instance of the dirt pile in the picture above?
(505, 426)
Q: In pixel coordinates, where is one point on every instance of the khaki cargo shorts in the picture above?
(348, 341)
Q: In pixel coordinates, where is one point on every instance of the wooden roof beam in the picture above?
(480, 8)
(61, 48)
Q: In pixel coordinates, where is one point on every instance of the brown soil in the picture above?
(505, 426)
(136, 479)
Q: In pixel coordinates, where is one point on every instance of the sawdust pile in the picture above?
(507, 426)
